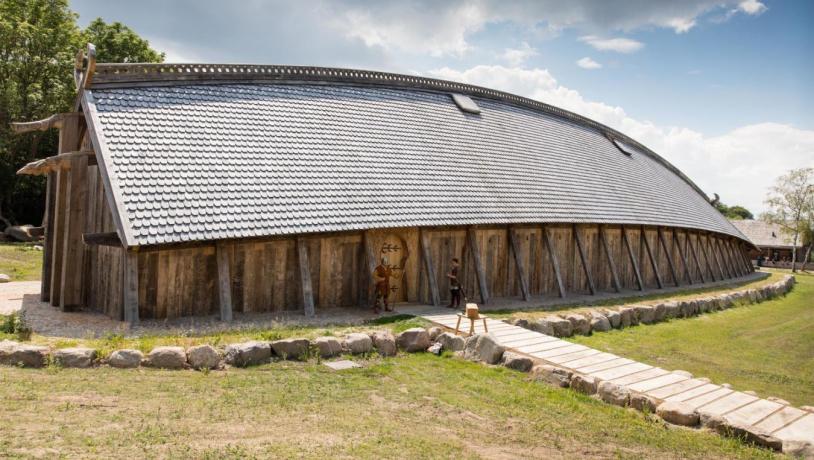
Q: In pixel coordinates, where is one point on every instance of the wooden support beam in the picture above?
(521, 267)
(585, 266)
(48, 246)
(711, 251)
(611, 264)
(735, 262)
(429, 268)
(370, 258)
(58, 238)
(74, 251)
(719, 253)
(102, 239)
(306, 289)
(54, 121)
(652, 259)
(744, 252)
(222, 251)
(633, 261)
(56, 162)
(668, 257)
(682, 256)
(552, 254)
(130, 287)
(694, 253)
(476, 259)
(703, 247)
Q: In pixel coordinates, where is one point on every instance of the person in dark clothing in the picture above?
(381, 277)
(454, 286)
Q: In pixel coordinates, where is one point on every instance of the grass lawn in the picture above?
(414, 406)
(20, 261)
(767, 347)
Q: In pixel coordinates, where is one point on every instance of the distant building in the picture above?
(770, 240)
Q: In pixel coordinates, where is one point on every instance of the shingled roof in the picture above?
(196, 155)
(764, 234)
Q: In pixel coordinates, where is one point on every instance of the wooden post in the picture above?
(694, 254)
(224, 280)
(473, 249)
(429, 268)
(58, 238)
(552, 254)
(48, 247)
(521, 267)
(682, 256)
(711, 251)
(370, 257)
(668, 257)
(735, 263)
(74, 251)
(130, 287)
(652, 259)
(307, 290)
(721, 259)
(611, 264)
(703, 246)
(633, 261)
(585, 266)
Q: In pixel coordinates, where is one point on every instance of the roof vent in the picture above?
(624, 148)
(465, 103)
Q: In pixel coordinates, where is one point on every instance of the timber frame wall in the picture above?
(86, 265)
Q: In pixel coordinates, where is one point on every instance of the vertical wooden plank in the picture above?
(552, 254)
(668, 257)
(719, 253)
(611, 264)
(476, 260)
(710, 253)
(522, 274)
(224, 281)
(744, 255)
(694, 253)
(58, 239)
(130, 286)
(306, 290)
(633, 261)
(370, 265)
(651, 258)
(50, 191)
(738, 268)
(682, 256)
(429, 268)
(585, 266)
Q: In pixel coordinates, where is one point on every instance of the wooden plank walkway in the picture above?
(784, 422)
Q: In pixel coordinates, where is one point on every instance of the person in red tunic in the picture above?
(381, 276)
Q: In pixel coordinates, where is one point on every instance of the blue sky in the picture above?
(721, 88)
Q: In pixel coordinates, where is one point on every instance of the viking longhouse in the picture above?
(187, 189)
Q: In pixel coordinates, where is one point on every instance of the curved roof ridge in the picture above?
(111, 75)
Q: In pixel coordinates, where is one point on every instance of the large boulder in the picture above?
(203, 357)
(579, 323)
(750, 433)
(583, 384)
(413, 340)
(599, 322)
(358, 343)
(561, 327)
(799, 449)
(614, 318)
(483, 347)
(167, 358)
(646, 314)
(659, 312)
(125, 359)
(451, 342)
(75, 357)
(4, 278)
(614, 394)
(554, 375)
(543, 326)
(247, 353)
(678, 413)
(385, 343)
(434, 332)
(643, 402)
(6, 347)
(516, 361)
(293, 348)
(24, 355)
(328, 346)
(629, 317)
(671, 310)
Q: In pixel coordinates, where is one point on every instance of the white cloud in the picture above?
(620, 45)
(518, 56)
(752, 7)
(681, 25)
(739, 165)
(589, 64)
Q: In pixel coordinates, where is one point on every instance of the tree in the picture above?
(734, 212)
(118, 43)
(38, 44)
(791, 205)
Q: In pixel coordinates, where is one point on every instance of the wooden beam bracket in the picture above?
(652, 259)
(611, 264)
(668, 257)
(102, 239)
(481, 273)
(521, 267)
(633, 262)
(552, 254)
(585, 266)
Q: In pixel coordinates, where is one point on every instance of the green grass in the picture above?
(20, 261)
(767, 347)
(414, 406)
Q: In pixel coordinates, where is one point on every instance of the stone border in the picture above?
(607, 318)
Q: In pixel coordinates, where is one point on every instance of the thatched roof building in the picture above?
(185, 189)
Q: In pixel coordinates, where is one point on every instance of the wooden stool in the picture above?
(471, 323)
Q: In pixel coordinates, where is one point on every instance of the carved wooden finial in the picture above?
(85, 67)
(90, 69)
